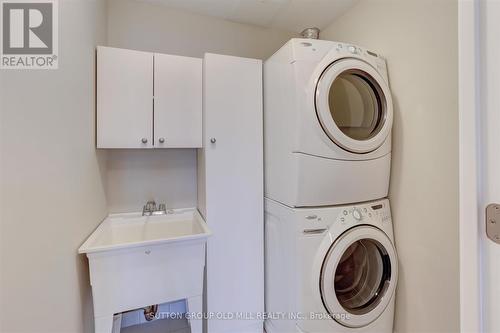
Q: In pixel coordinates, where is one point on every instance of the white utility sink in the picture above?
(129, 230)
(136, 261)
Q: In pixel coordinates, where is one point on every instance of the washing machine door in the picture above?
(354, 105)
(359, 276)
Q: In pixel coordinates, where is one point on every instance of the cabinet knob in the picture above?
(144, 140)
(161, 140)
(213, 140)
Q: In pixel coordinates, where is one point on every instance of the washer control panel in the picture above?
(356, 213)
(367, 213)
(319, 220)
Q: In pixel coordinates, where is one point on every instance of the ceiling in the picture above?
(291, 15)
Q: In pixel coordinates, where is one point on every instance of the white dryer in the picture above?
(331, 269)
(327, 122)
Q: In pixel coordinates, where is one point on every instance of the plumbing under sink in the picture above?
(136, 261)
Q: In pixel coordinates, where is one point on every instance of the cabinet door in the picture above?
(233, 160)
(177, 101)
(124, 98)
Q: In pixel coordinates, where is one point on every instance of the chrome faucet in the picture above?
(150, 208)
(162, 210)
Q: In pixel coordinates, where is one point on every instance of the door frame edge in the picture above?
(469, 166)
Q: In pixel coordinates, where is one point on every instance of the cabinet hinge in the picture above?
(493, 222)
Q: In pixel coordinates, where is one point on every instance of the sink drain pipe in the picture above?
(150, 312)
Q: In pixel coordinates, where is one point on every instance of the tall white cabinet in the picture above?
(231, 190)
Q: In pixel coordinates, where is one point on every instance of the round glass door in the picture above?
(354, 105)
(362, 276)
(358, 276)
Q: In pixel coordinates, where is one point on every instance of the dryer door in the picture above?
(354, 105)
(358, 276)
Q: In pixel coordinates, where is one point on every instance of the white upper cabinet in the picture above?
(124, 98)
(177, 101)
(147, 100)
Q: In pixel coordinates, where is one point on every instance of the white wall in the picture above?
(170, 175)
(52, 191)
(419, 40)
(151, 27)
(135, 176)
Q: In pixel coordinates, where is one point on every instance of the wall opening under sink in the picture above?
(169, 313)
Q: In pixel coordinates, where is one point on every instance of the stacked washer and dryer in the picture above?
(331, 264)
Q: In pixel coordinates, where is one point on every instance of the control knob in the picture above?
(357, 214)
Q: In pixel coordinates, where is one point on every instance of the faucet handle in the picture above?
(151, 205)
(149, 208)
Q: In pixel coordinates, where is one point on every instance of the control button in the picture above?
(345, 212)
(352, 49)
(342, 219)
(365, 210)
(356, 214)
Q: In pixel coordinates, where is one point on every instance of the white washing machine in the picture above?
(331, 269)
(327, 120)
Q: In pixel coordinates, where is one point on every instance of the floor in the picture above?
(161, 326)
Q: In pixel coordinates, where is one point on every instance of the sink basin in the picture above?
(133, 230)
(137, 261)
